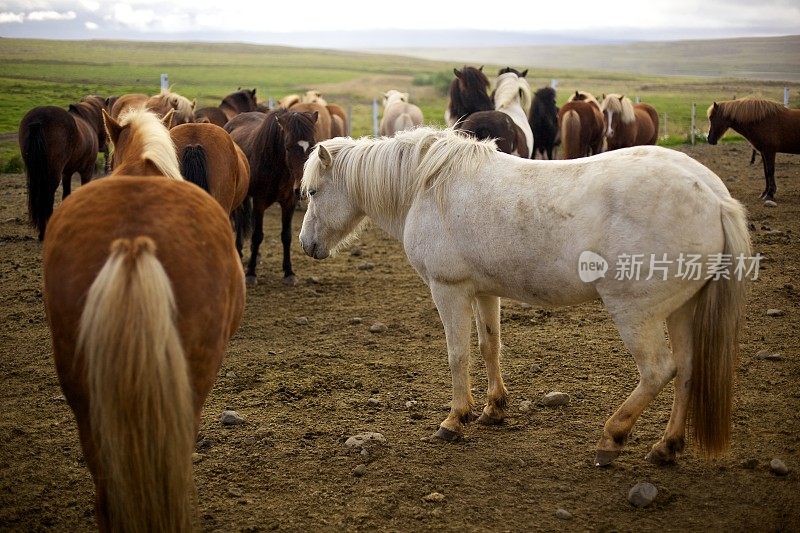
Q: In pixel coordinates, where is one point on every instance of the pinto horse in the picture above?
(154, 293)
(277, 145)
(512, 96)
(55, 144)
(421, 185)
(544, 122)
(628, 124)
(211, 160)
(581, 126)
(241, 101)
(767, 125)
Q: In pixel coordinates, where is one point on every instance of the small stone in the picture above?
(301, 321)
(770, 203)
(775, 312)
(235, 491)
(411, 404)
(778, 467)
(230, 374)
(59, 398)
(377, 327)
(360, 470)
(642, 494)
(731, 178)
(364, 439)
(355, 251)
(521, 463)
(314, 280)
(196, 457)
(231, 418)
(536, 368)
(749, 464)
(434, 497)
(366, 266)
(563, 514)
(373, 402)
(356, 320)
(555, 399)
(525, 406)
(364, 452)
(769, 355)
(524, 305)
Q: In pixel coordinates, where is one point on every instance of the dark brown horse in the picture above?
(628, 124)
(102, 103)
(277, 145)
(581, 126)
(498, 126)
(469, 93)
(767, 125)
(544, 122)
(55, 144)
(241, 101)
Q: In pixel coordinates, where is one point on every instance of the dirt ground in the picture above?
(303, 389)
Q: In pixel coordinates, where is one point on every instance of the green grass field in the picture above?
(40, 72)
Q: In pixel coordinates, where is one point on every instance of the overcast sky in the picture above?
(224, 20)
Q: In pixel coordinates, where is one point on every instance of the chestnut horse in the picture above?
(277, 145)
(581, 125)
(142, 144)
(211, 160)
(767, 125)
(55, 144)
(141, 297)
(628, 124)
(323, 127)
(339, 125)
(241, 101)
(544, 122)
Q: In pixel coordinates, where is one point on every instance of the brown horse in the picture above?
(767, 125)
(127, 101)
(277, 145)
(499, 126)
(160, 104)
(628, 124)
(469, 93)
(211, 160)
(142, 296)
(55, 144)
(581, 126)
(338, 116)
(102, 103)
(323, 127)
(241, 101)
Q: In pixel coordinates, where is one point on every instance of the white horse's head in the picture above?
(393, 96)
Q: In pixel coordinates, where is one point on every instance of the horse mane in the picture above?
(474, 97)
(545, 95)
(157, 145)
(242, 100)
(510, 87)
(388, 173)
(183, 106)
(270, 140)
(616, 103)
(300, 127)
(584, 96)
(747, 110)
(314, 97)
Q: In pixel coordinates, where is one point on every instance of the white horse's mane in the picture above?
(510, 87)
(388, 173)
(616, 103)
(157, 145)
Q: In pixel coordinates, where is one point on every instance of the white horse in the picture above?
(478, 225)
(398, 114)
(512, 96)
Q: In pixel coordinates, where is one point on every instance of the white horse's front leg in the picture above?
(487, 321)
(453, 303)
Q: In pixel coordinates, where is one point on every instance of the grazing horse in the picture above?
(277, 145)
(398, 114)
(628, 124)
(420, 187)
(767, 125)
(512, 96)
(544, 122)
(142, 289)
(581, 126)
(469, 93)
(55, 144)
(241, 101)
(211, 160)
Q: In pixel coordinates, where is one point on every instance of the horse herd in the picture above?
(144, 285)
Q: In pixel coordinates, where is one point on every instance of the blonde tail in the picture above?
(140, 396)
(571, 135)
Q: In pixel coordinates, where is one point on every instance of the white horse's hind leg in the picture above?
(453, 303)
(487, 320)
(679, 325)
(646, 342)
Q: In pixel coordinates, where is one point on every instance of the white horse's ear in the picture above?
(622, 97)
(405, 97)
(325, 157)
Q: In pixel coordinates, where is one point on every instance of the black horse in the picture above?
(544, 122)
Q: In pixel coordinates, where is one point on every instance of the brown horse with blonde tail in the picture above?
(581, 126)
(155, 292)
(628, 124)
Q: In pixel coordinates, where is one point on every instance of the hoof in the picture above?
(290, 281)
(486, 420)
(250, 281)
(659, 459)
(605, 457)
(445, 435)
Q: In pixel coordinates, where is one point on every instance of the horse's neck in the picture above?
(138, 167)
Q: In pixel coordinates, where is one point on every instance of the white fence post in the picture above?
(375, 117)
(638, 101)
(349, 120)
(271, 103)
(553, 83)
(665, 125)
(694, 121)
(786, 97)
(164, 83)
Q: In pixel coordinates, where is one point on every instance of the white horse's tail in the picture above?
(403, 122)
(718, 317)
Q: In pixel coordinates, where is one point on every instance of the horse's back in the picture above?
(213, 115)
(647, 121)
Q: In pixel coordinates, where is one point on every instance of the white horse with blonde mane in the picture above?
(478, 225)
(512, 96)
(398, 113)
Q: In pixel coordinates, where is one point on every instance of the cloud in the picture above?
(91, 26)
(50, 15)
(90, 5)
(6, 17)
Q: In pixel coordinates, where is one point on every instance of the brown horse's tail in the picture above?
(140, 396)
(571, 135)
(718, 317)
(194, 165)
(41, 192)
